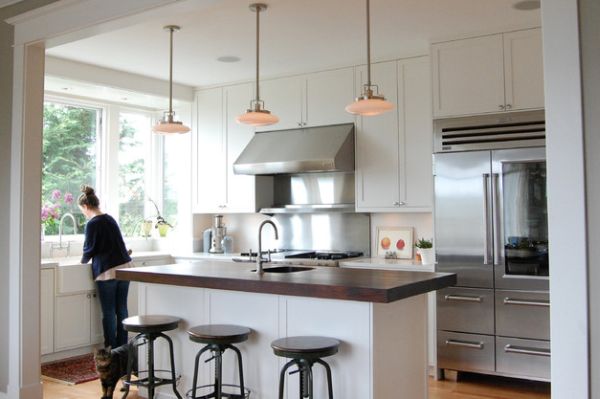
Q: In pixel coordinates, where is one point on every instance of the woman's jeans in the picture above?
(113, 300)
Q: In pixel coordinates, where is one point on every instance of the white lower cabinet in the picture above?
(393, 150)
(72, 324)
(47, 311)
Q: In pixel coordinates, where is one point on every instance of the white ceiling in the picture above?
(296, 36)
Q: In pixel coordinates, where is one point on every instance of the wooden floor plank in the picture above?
(469, 386)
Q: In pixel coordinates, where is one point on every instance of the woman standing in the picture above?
(105, 246)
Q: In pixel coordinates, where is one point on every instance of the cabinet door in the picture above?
(468, 76)
(377, 157)
(283, 97)
(72, 321)
(416, 134)
(211, 172)
(523, 68)
(96, 329)
(326, 96)
(47, 311)
(240, 188)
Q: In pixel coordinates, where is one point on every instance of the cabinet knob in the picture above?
(508, 106)
(88, 296)
(501, 106)
(399, 203)
(299, 123)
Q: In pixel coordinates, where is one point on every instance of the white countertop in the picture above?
(388, 264)
(48, 263)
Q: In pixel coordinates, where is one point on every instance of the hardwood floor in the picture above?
(470, 386)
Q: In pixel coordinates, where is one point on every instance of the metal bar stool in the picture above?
(304, 352)
(149, 328)
(218, 338)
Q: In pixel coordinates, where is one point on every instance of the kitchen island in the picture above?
(380, 316)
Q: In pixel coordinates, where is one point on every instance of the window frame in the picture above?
(107, 152)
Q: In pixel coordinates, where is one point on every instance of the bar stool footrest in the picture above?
(158, 381)
(214, 394)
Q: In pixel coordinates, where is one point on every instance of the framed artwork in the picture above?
(395, 242)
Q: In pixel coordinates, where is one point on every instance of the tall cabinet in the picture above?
(488, 74)
(219, 140)
(393, 157)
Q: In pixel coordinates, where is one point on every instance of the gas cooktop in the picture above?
(304, 257)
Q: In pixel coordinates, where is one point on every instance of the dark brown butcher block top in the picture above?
(367, 285)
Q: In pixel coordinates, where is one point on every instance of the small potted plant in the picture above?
(161, 224)
(425, 249)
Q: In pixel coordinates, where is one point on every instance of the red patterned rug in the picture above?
(74, 370)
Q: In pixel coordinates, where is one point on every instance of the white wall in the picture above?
(6, 83)
(566, 200)
(589, 13)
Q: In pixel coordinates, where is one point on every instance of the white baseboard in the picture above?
(33, 391)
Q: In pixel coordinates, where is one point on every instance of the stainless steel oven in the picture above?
(491, 228)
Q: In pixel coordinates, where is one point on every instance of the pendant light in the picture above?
(168, 124)
(257, 115)
(370, 102)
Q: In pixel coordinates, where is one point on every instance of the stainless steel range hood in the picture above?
(314, 149)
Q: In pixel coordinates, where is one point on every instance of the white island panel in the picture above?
(383, 351)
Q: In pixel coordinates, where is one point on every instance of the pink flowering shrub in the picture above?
(51, 211)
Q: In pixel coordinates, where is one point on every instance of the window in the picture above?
(134, 148)
(70, 157)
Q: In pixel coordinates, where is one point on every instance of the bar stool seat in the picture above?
(148, 329)
(305, 347)
(217, 339)
(219, 334)
(150, 323)
(304, 352)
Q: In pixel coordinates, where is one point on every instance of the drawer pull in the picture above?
(465, 344)
(463, 298)
(527, 351)
(510, 301)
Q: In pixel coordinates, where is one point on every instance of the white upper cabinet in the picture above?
(211, 171)
(377, 146)
(326, 96)
(314, 99)
(220, 141)
(523, 69)
(414, 81)
(393, 150)
(495, 73)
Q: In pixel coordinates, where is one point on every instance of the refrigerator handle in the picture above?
(486, 219)
(496, 219)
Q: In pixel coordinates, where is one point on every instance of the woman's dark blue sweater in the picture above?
(103, 244)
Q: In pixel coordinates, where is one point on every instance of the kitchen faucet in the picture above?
(60, 232)
(259, 259)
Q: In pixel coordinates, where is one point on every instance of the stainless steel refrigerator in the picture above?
(491, 228)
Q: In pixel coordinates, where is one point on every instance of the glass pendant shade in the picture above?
(257, 115)
(168, 124)
(257, 118)
(369, 106)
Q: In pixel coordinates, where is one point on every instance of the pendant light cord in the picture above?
(257, 53)
(368, 45)
(171, 74)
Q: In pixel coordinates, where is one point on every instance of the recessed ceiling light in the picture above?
(124, 98)
(228, 58)
(66, 88)
(527, 5)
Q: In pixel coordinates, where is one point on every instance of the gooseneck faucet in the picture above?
(259, 259)
(60, 234)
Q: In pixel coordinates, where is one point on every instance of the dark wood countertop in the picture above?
(367, 285)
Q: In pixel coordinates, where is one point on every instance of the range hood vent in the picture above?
(314, 149)
(523, 129)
